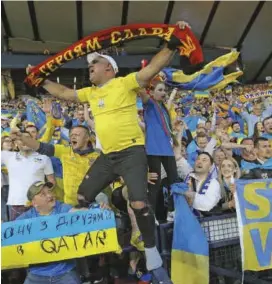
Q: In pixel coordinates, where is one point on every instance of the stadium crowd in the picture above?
(117, 150)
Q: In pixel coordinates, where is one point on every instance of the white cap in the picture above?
(92, 56)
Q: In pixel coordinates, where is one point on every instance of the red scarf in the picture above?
(189, 46)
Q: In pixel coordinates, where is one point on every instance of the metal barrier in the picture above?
(225, 254)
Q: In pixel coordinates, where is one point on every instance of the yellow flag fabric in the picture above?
(221, 61)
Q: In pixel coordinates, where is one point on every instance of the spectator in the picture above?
(261, 168)
(79, 120)
(228, 172)
(76, 159)
(43, 202)
(267, 126)
(204, 193)
(247, 154)
(237, 130)
(24, 167)
(258, 114)
(258, 130)
(159, 137)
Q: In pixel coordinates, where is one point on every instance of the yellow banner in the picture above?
(255, 95)
(57, 237)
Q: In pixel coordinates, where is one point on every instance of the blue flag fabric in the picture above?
(253, 208)
(35, 114)
(201, 82)
(190, 249)
(249, 166)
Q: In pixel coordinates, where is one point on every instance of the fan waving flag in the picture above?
(190, 249)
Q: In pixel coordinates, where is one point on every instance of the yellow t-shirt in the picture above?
(74, 167)
(115, 113)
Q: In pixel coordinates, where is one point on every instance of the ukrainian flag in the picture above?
(210, 77)
(190, 249)
(57, 237)
(201, 94)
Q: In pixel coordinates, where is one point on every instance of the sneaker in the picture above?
(171, 216)
(160, 276)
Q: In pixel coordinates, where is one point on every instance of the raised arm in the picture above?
(87, 117)
(16, 134)
(172, 98)
(159, 61)
(143, 94)
(57, 90)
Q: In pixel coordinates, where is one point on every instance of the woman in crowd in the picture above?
(258, 130)
(228, 172)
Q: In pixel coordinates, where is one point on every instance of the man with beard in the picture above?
(261, 168)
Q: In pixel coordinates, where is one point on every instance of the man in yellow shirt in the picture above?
(113, 105)
(76, 159)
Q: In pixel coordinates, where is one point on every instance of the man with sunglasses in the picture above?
(113, 104)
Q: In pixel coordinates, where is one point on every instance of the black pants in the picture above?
(154, 164)
(131, 165)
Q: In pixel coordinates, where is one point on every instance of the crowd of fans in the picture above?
(229, 140)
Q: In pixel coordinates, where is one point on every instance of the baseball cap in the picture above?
(36, 188)
(92, 56)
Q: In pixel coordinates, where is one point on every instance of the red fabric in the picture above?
(100, 40)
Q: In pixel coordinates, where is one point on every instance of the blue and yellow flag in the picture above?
(190, 249)
(210, 77)
(254, 214)
(35, 115)
(57, 237)
(201, 94)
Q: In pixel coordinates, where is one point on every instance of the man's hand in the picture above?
(182, 25)
(29, 68)
(15, 134)
(233, 188)
(231, 204)
(249, 148)
(152, 178)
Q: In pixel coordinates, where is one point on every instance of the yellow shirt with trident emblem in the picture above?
(114, 107)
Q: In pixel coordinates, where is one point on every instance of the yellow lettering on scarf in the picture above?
(78, 50)
(128, 34)
(59, 59)
(42, 70)
(68, 55)
(51, 65)
(115, 37)
(142, 31)
(158, 32)
(167, 35)
(92, 44)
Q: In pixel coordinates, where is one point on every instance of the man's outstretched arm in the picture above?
(57, 90)
(158, 62)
